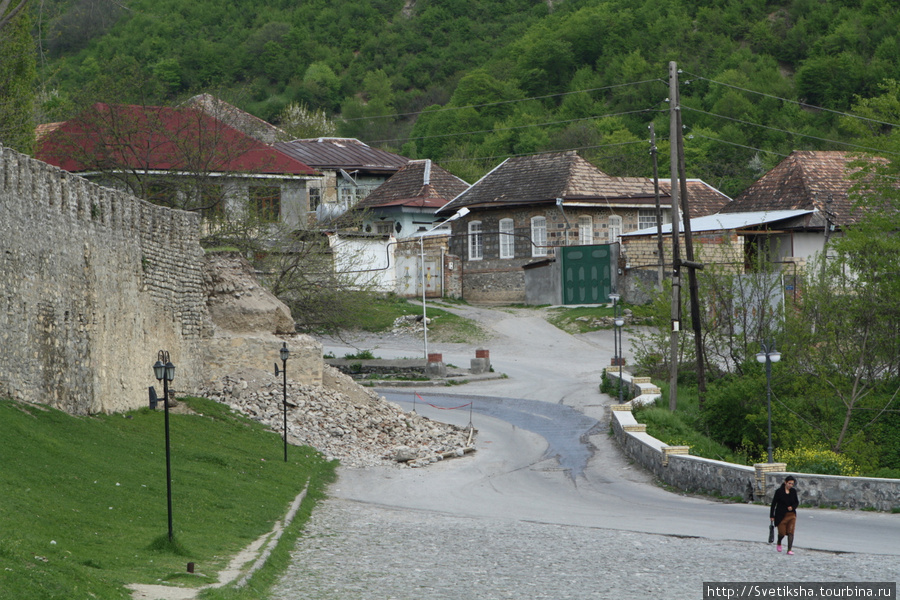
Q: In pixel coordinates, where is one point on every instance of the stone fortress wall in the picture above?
(93, 282)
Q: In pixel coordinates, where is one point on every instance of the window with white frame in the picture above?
(647, 218)
(539, 236)
(615, 228)
(476, 244)
(507, 240)
(585, 230)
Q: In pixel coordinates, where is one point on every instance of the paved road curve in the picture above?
(512, 521)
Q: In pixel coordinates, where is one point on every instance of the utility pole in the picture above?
(659, 237)
(692, 266)
(674, 133)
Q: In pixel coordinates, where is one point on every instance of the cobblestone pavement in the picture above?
(357, 551)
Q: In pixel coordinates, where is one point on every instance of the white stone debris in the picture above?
(341, 419)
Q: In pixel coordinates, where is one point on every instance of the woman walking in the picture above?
(783, 512)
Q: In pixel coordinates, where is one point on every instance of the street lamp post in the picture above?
(460, 213)
(164, 371)
(768, 356)
(285, 354)
(617, 338)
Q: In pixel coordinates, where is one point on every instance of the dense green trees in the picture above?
(751, 70)
(17, 79)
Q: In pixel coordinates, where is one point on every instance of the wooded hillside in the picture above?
(520, 75)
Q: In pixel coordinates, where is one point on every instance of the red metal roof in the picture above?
(159, 138)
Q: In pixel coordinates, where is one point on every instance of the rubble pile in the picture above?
(341, 419)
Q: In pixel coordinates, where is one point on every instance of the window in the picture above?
(507, 241)
(315, 198)
(212, 202)
(585, 230)
(476, 247)
(384, 227)
(647, 218)
(539, 236)
(615, 228)
(265, 202)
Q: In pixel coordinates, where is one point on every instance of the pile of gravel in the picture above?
(341, 419)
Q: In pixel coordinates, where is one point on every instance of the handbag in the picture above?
(771, 533)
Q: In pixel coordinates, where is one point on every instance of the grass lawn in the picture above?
(381, 313)
(83, 501)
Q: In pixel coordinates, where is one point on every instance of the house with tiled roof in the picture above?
(180, 157)
(785, 217)
(553, 210)
(350, 170)
(407, 202)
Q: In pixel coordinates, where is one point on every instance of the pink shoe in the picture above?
(791, 552)
(778, 547)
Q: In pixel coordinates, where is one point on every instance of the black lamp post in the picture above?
(768, 356)
(285, 354)
(164, 371)
(617, 338)
(619, 323)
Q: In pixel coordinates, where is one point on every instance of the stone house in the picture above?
(181, 157)
(350, 171)
(785, 218)
(546, 228)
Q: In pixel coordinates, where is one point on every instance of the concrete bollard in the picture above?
(436, 366)
(481, 363)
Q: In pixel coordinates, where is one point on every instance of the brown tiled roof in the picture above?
(546, 177)
(703, 199)
(407, 187)
(807, 180)
(343, 153)
(44, 129)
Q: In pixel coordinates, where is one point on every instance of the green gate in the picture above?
(587, 274)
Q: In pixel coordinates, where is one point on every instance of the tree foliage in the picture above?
(379, 63)
(17, 79)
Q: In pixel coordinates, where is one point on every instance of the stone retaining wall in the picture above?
(672, 465)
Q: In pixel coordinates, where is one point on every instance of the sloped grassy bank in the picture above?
(83, 503)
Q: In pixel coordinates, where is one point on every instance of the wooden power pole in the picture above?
(674, 133)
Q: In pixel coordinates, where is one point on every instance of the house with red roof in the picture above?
(181, 157)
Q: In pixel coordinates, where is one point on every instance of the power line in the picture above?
(504, 156)
(784, 130)
(430, 137)
(801, 104)
(501, 102)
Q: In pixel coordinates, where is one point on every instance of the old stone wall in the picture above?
(93, 282)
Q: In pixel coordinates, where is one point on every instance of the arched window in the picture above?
(476, 245)
(585, 230)
(539, 236)
(507, 240)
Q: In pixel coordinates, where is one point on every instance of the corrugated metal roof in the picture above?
(342, 153)
(159, 138)
(728, 221)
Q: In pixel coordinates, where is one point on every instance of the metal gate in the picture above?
(586, 274)
(409, 277)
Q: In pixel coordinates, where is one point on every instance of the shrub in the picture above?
(817, 460)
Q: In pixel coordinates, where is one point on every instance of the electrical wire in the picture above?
(796, 102)
(501, 102)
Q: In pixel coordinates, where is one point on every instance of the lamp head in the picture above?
(619, 322)
(284, 352)
(170, 371)
(159, 370)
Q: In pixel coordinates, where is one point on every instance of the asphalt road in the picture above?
(579, 507)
